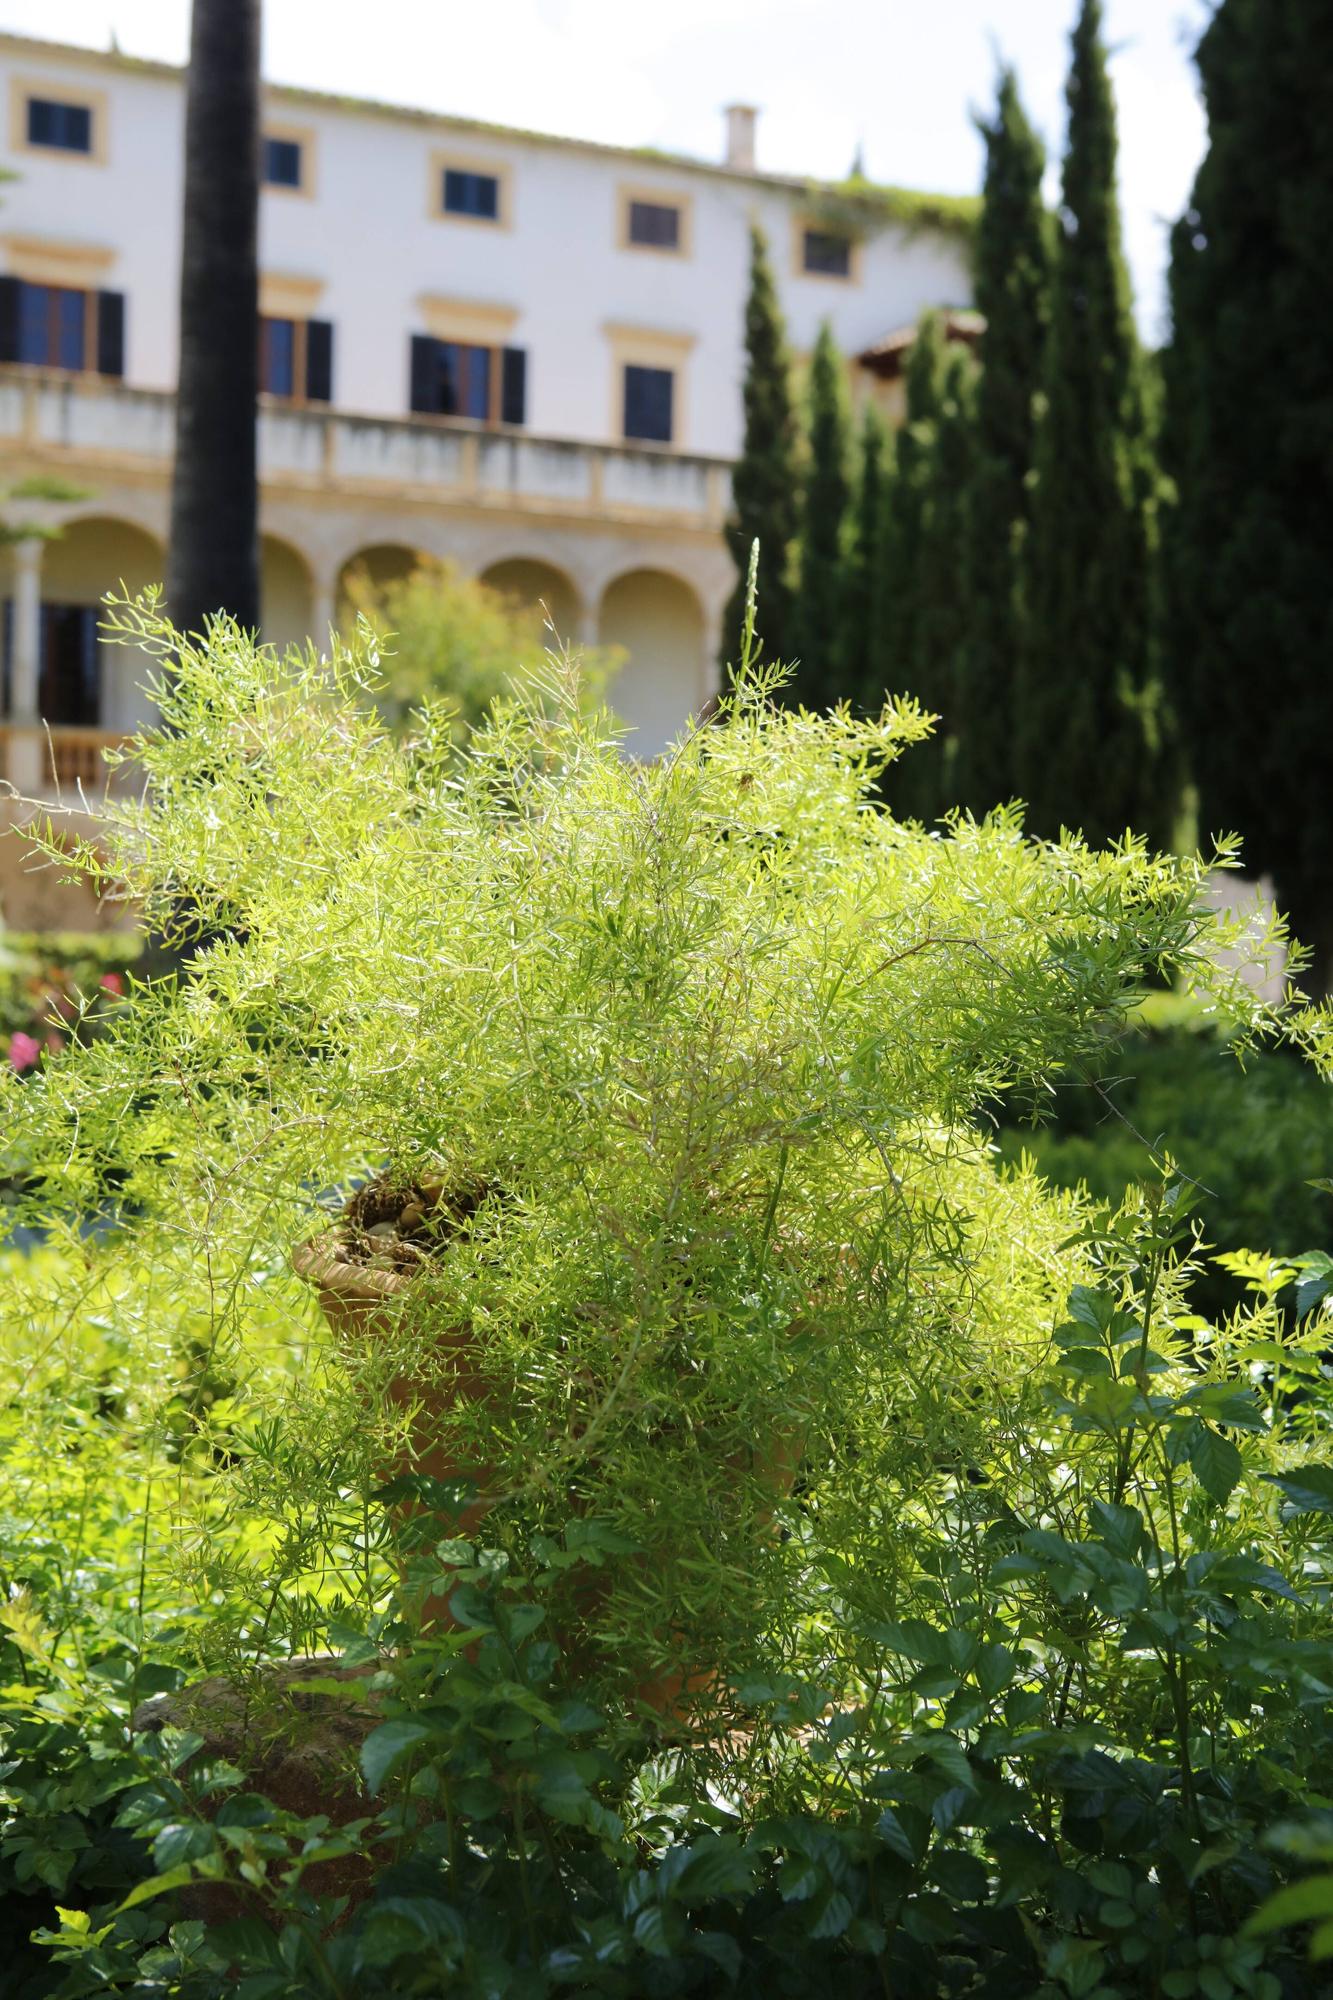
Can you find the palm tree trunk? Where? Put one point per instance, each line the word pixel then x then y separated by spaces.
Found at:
pixel 214 557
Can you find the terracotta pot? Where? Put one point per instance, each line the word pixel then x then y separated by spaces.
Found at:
pixel 358 1303
pixel 357 1300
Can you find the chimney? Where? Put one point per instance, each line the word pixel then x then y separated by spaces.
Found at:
pixel 740 136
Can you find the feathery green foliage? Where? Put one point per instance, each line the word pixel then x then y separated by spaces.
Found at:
pixel 1249 443
pixel 764 483
pixel 1085 678
pixel 1012 291
pixel 821 679
pixel 536 969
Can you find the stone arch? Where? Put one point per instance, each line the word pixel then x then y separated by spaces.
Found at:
pixel 658 620
pixel 82 679
pixel 381 562
pixel 529 581
pixel 94 553
pixel 127 507
pixel 286 594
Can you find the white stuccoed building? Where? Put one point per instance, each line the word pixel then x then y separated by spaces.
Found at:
pixel 520 352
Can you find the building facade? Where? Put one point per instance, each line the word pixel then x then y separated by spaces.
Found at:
pixel 519 352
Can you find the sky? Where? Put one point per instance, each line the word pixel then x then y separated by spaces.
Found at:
pixel 899 80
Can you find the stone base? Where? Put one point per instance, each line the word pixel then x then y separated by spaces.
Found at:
pixel 298 1746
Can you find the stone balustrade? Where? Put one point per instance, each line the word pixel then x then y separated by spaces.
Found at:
pixel 80 419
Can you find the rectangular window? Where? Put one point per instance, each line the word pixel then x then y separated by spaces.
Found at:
pixel 65 128
pixel 825 254
pixel 277 356
pixel 456 378
pixel 654 224
pixel 296 359
pixel 459 380
pixel 464 380
pixel 477 195
pixel 649 394
pixel 282 163
pixel 62 326
pixel 52 326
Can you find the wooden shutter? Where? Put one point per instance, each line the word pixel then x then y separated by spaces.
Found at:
pixel 9 319
pixel 319 361
pixel 422 385
pixel 111 333
pixel 514 386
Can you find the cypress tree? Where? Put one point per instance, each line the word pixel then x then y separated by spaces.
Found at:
pixel 1085 672
pixel 818 621
pixel 764 482
pixel 922 784
pixel 1249 440
pixel 863 662
pixel 1013 293
pixel 906 501
pixel 905 509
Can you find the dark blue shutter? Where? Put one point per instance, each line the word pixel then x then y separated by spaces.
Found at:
pixel 662 405
pixel 111 333
pixel 9 319
pixel 422 386
pixel 318 361
pixel 514 386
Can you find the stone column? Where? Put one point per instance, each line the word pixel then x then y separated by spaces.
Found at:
pixel 25 745
pixel 323 613
pixel 710 671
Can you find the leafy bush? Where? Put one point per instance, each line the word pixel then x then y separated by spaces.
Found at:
pixel 447 638
pixel 987 1572
pixel 1087 1755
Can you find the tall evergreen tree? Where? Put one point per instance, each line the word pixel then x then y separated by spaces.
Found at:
pixel 765 486
pixel 1013 293
pixel 1249 440
pixel 818 622
pixel 865 673
pixel 906 501
pixel 214 557
pixel 1085 673
pixel 922 784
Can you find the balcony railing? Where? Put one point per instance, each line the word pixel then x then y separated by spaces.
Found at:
pixel 57 761
pixel 89 421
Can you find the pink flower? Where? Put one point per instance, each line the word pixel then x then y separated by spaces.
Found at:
pixel 23 1050
pixel 111 982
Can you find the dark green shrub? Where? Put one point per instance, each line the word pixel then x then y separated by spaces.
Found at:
pixel 1255 1135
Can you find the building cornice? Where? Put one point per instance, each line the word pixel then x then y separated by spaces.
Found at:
pixel 867 201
